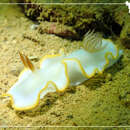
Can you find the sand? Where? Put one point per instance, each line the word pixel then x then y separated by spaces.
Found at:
pixel 104 100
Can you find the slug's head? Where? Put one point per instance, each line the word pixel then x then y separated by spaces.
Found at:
pixel 92 42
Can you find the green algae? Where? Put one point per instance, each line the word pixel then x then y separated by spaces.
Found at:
pixel 102 18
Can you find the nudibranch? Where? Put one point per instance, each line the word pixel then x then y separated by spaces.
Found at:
pixel 57 72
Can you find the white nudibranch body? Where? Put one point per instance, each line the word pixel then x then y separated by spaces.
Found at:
pixel 57 72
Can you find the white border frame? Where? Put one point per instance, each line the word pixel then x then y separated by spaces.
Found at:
pixel 66 126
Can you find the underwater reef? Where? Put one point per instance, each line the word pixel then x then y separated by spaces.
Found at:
pixel 111 20
pixel 103 100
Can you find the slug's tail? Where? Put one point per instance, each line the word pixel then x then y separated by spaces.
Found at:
pixel 27 63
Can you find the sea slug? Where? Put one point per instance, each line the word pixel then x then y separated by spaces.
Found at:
pixel 57 72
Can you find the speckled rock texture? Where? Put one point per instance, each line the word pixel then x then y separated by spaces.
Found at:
pixel 111 19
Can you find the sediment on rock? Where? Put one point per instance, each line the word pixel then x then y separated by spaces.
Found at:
pixel 111 20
